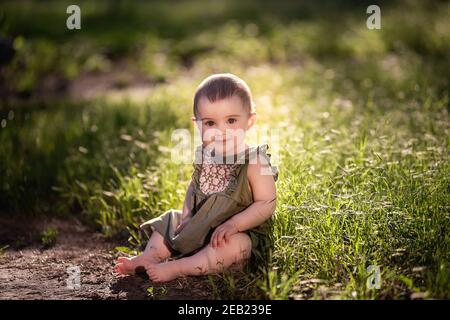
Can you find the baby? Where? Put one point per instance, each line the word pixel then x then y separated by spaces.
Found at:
pixel 230 198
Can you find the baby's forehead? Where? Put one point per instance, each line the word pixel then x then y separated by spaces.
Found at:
pixel 221 108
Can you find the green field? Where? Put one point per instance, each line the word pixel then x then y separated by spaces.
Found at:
pixel 364 167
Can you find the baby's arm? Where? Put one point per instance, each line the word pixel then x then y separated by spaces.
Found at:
pixel 264 196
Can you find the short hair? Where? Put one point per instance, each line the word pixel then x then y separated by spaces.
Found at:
pixel 221 86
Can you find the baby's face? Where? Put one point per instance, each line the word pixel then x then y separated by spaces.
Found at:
pixel 224 123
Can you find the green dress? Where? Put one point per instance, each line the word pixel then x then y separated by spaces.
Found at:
pixel 211 210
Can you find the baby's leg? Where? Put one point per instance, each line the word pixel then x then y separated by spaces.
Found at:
pixel 155 252
pixel 208 260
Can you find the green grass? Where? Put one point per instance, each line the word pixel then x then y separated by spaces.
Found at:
pixel 48 237
pixel 362 116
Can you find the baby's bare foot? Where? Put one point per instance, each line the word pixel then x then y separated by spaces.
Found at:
pixel 128 265
pixel 163 272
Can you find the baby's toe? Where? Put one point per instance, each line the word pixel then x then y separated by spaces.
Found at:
pixel 122 259
pixel 151 276
pixel 151 273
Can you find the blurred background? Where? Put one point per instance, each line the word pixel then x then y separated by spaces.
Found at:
pixel 87 115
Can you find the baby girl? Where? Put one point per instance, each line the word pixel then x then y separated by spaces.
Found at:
pixel 230 199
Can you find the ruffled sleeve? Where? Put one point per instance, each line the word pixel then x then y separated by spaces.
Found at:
pixel 261 151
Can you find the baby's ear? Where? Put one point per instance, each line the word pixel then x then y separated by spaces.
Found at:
pixel 197 123
pixel 251 120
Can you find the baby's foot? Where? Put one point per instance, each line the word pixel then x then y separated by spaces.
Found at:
pixel 163 272
pixel 128 265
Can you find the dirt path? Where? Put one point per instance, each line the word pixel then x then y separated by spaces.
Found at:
pixel 30 271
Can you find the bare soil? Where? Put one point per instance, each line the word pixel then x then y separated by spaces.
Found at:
pixel 30 270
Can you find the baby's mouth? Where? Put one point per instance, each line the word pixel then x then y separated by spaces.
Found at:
pixel 222 139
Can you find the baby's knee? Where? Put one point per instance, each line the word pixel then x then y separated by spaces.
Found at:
pixel 236 250
pixel 244 243
pixel 239 247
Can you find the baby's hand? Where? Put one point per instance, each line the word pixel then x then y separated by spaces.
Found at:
pixel 223 233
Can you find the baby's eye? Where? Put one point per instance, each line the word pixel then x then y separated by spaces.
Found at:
pixel 231 120
pixel 209 123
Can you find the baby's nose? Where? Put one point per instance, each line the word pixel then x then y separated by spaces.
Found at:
pixel 222 132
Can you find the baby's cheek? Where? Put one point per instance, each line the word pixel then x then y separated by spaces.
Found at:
pixel 239 133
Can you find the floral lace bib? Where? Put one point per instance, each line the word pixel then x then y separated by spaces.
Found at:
pixel 214 177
